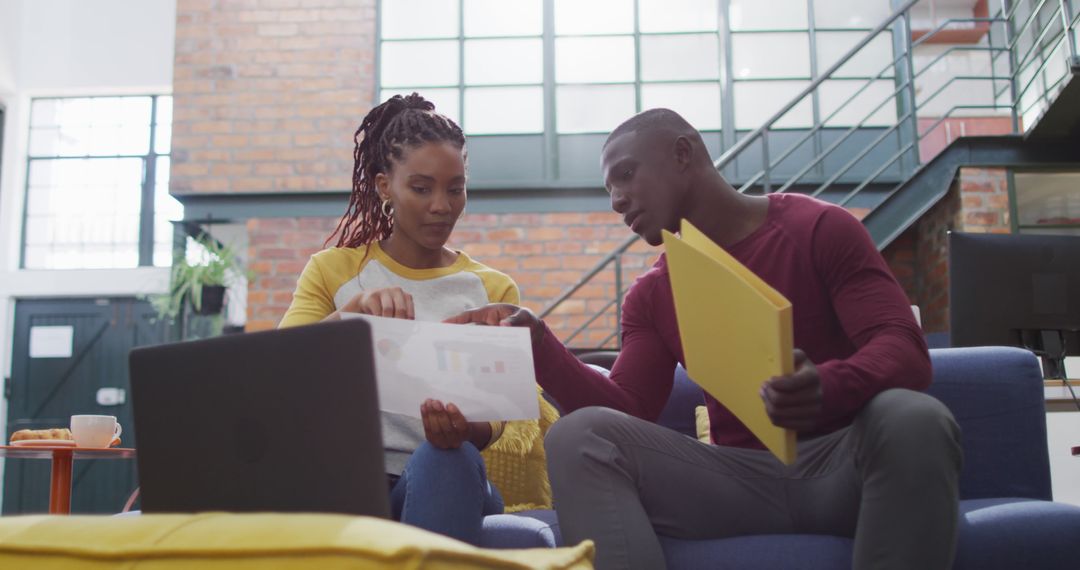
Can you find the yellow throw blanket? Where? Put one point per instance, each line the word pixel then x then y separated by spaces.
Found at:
pixel 517 465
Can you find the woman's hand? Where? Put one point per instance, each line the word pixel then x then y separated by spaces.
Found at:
pixel 444 426
pixel 389 302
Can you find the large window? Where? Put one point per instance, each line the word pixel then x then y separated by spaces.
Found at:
pixel 779 46
pixel 483 61
pixel 1047 203
pixel 97 183
pixel 611 62
pixel 479 61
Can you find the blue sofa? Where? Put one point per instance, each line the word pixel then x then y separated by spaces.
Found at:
pixel 1007 519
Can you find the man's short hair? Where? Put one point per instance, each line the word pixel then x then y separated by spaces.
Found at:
pixel 656 120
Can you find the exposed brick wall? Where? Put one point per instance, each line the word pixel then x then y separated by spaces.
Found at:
pixel 977 202
pixel 933 260
pixel 902 258
pixel 544 253
pixel 985 196
pixel 919 260
pixel 267 93
pixel 278 249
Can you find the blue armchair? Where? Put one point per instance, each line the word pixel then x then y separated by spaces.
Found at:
pixel 1007 519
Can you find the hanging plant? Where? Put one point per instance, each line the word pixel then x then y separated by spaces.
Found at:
pixel 202 284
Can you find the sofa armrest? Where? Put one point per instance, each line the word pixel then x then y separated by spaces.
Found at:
pixel 996 395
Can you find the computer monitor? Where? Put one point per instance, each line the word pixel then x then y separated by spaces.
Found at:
pixel 1016 290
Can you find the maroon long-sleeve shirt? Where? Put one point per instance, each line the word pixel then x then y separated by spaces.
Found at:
pixel 850 317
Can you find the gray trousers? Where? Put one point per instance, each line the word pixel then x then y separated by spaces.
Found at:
pixel 889 480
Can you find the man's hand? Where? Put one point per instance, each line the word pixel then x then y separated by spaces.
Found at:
pixel 504 315
pixel 794 401
pixel 444 426
pixel 389 302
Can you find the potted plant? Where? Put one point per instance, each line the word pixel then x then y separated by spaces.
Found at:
pixel 201 283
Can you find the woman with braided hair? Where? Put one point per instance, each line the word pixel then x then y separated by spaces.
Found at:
pixel 390 259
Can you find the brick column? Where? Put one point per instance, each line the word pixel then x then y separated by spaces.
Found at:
pixel 279 249
pixel 267 93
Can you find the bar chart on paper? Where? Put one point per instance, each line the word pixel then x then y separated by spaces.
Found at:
pixel 450 360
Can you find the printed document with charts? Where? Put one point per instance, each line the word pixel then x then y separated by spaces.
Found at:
pixel 736 331
pixel 487 372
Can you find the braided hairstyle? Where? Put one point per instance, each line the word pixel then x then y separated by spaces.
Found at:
pixel 383 136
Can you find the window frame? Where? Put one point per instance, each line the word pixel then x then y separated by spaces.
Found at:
pixel 147 199
pixel 726 134
pixel 1019 226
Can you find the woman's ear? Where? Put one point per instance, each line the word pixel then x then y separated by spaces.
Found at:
pixel 382 186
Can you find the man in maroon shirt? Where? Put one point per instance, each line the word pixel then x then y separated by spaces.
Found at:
pixel 877 460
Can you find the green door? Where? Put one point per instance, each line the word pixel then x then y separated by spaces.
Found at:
pixel 70 357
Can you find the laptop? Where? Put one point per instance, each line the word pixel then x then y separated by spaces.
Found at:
pixel 280 421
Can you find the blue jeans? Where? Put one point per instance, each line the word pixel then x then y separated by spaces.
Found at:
pixel 446 491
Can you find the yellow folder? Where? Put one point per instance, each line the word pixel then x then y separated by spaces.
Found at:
pixel 736 331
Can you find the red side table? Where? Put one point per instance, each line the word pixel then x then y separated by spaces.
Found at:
pixel 62 459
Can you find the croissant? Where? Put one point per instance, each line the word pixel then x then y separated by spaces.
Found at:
pixel 56 433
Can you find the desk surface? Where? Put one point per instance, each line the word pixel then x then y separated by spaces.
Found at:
pixel 48 452
pixel 1058 397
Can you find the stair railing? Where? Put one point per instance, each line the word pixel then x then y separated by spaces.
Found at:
pixel 1047 39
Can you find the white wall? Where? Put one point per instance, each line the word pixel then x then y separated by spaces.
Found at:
pixel 1063 430
pixel 70 48
pixel 69 44
pixel 1063 434
pixel 10 17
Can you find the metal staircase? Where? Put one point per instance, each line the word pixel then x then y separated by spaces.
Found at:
pixel 890 171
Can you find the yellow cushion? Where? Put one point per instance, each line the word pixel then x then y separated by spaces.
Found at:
pixel 217 540
pixel 516 462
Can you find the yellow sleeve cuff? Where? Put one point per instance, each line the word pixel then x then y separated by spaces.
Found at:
pixel 497 429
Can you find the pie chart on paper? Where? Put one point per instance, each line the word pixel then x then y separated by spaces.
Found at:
pixel 388 349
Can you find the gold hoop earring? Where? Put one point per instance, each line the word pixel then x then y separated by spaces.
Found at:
pixel 387 209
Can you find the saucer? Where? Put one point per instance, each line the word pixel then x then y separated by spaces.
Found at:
pixel 44 443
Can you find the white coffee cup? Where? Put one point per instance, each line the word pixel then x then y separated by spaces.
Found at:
pixel 94 431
